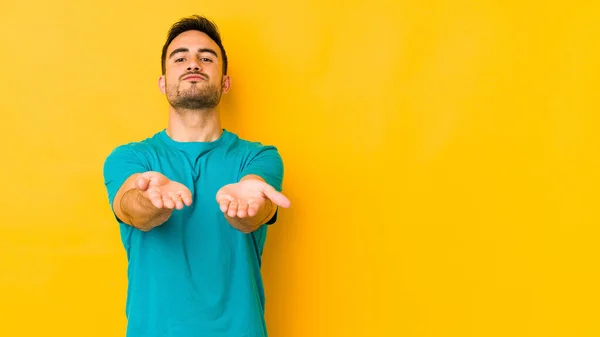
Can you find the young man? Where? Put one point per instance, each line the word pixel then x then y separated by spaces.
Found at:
pixel 193 203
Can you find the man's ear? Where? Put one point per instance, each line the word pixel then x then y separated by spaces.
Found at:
pixel 161 84
pixel 226 84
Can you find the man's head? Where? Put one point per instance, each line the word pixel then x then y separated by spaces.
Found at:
pixel 194 65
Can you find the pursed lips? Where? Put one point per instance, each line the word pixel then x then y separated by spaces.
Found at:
pixel 193 77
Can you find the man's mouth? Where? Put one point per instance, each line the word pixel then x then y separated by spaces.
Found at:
pixel 194 77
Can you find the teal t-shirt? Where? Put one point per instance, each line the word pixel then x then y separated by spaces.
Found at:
pixel 195 275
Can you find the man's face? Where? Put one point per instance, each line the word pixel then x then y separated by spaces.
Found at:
pixel 193 78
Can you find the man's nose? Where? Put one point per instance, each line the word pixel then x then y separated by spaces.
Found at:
pixel 194 64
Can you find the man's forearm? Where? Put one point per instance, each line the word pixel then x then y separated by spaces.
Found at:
pixel 140 212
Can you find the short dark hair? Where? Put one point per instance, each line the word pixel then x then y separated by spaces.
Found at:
pixel 199 23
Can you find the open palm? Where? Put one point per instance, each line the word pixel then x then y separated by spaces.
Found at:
pixel 246 197
pixel 162 192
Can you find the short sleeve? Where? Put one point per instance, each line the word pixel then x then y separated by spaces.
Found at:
pixel 119 165
pixel 266 162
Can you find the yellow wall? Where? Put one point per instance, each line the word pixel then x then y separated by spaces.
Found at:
pixel 441 157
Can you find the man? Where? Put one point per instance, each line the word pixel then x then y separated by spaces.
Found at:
pixel 193 203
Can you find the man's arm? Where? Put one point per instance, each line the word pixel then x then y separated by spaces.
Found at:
pixel 254 200
pixel 133 208
pixel 249 220
pixel 138 197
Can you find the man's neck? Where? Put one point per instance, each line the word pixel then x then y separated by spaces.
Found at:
pixel 194 125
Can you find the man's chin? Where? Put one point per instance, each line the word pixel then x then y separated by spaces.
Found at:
pixel 193 103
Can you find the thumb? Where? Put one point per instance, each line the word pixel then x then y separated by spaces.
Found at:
pixel 276 197
pixel 142 183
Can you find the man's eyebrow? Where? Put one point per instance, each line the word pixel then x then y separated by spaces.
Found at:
pixel 178 50
pixel 208 50
pixel 185 50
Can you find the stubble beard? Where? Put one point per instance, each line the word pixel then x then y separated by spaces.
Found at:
pixel 195 97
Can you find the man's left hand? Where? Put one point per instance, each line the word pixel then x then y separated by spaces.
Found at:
pixel 248 198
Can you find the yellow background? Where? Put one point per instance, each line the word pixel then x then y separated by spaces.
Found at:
pixel 441 158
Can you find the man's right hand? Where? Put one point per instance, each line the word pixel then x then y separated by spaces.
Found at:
pixel 147 200
pixel 162 192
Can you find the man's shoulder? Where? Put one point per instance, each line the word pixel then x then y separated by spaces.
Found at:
pixel 250 145
pixel 150 143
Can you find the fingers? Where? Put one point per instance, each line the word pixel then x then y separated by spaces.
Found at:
pixel 277 198
pixel 177 200
pixel 232 210
pixel 156 198
pixel 169 200
pixel 224 205
pixel 232 207
pixel 241 203
pixel 173 201
pixel 186 197
pixel 142 183
pixel 253 209
pixel 242 210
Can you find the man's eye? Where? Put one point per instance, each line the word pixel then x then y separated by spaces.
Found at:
pixel 179 59
pixel 205 59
